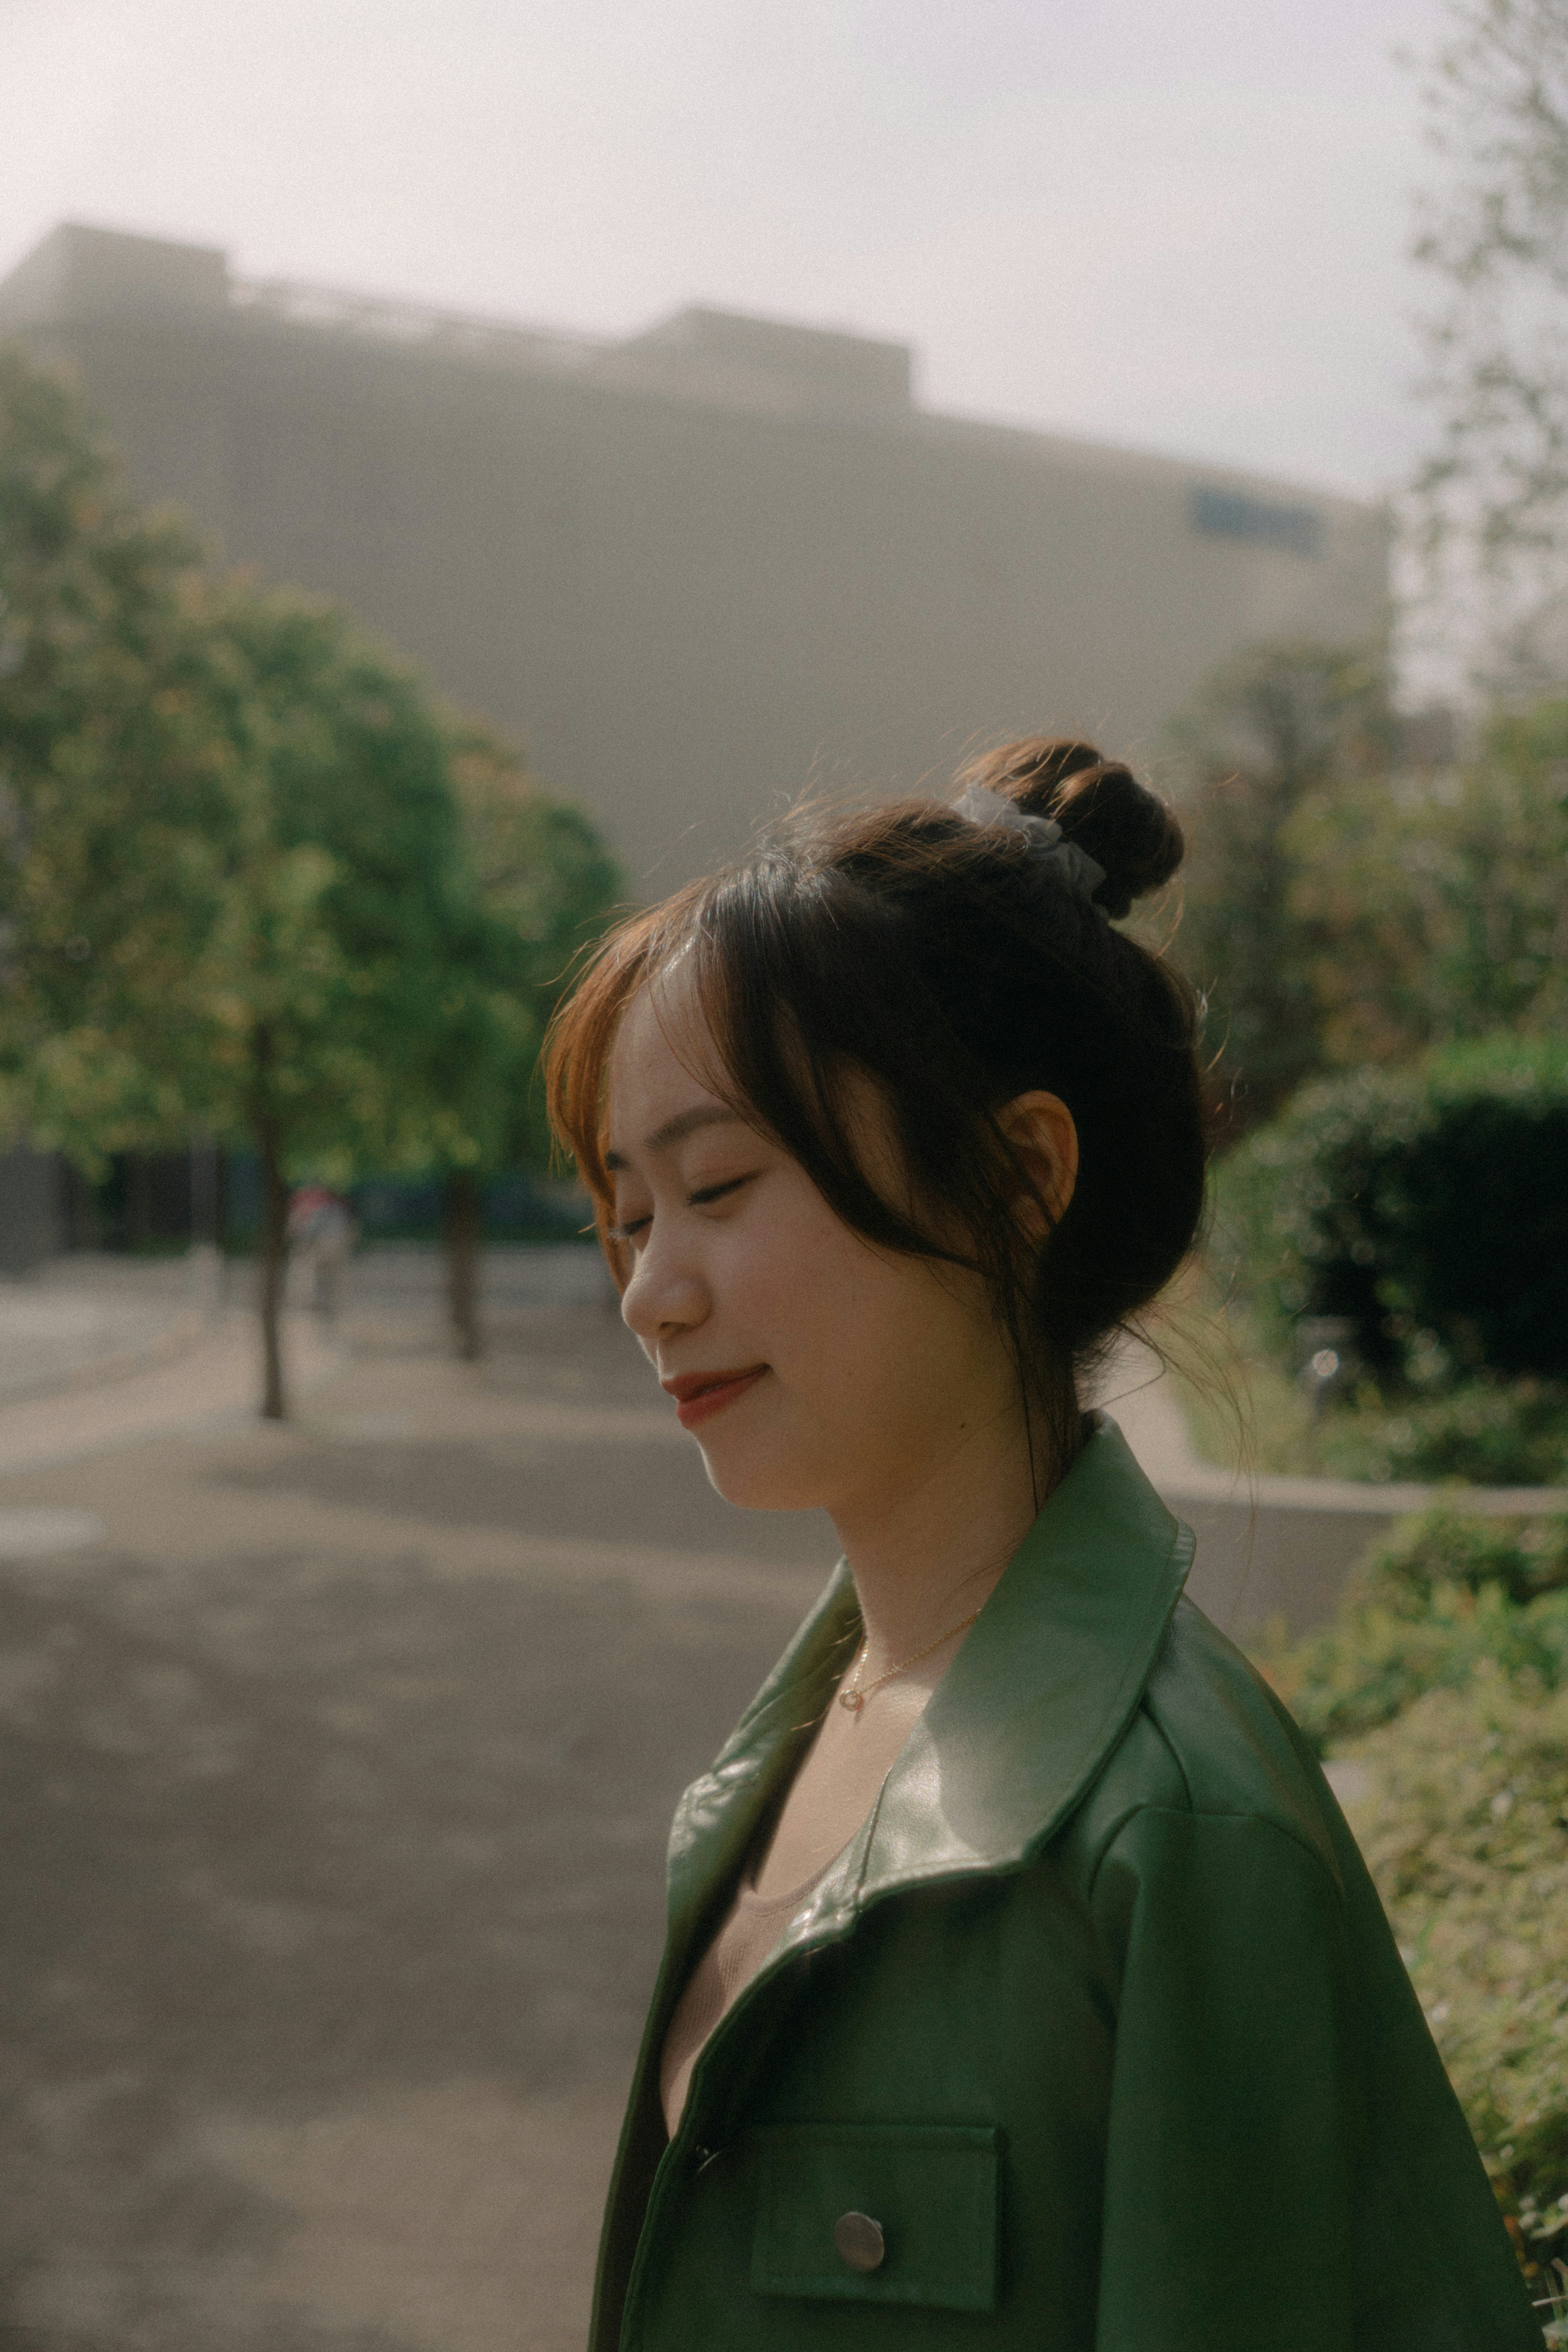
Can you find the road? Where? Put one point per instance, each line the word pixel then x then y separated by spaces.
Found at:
pixel 335 1778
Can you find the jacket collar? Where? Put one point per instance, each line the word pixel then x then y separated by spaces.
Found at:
pixel 1014 1733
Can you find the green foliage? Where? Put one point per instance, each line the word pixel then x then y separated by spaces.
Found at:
pixel 1485 1433
pixel 1426 1204
pixel 1443 1591
pixel 353 958
pixel 1465 1828
pixel 1347 903
pixel 547 887
pixel 1436 907
pixel 251 880
pixel 1279 724
pixel 113 776
pixel 1445 1677
pixel 268 962
pixel 1523 1557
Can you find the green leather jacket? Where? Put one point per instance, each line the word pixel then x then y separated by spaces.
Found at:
pixel 1098 2019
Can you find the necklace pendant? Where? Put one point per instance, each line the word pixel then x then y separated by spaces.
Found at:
pixel 854 1700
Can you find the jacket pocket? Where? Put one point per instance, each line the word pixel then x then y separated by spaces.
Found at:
pixel 898 2214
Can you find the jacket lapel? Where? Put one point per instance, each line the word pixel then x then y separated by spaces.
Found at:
pixel 1016 1732
pixel 1039 1696
pixel 1046 1685
pixel 717 1816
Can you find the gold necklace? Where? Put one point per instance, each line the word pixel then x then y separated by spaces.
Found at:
pixel 854 1698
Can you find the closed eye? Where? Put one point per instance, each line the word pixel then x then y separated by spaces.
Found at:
pixel 628 1230
pixel 716 1192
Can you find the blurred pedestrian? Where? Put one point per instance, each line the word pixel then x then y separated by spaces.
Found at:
pixel 322 1230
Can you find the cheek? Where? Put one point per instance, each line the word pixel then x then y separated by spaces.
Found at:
pixel 877 1361
pixel 840 1323
pixel 780 1276
pixel 788 1276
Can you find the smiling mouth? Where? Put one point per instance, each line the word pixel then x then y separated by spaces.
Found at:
pixel 699 1395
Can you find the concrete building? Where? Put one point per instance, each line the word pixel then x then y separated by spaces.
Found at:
pixel 698 570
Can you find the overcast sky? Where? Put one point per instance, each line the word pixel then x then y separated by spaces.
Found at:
pixel 1177 224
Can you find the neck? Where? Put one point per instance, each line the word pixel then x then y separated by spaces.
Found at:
pixel 928 1548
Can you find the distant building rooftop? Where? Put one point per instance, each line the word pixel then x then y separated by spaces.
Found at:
pixel 699 568
pixel 80 273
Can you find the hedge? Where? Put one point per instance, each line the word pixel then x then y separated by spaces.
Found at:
pixel 1428 1204
pixel 1464 1829
pixel 1448 1657
pixel 1444 1592
pixel 1482 1432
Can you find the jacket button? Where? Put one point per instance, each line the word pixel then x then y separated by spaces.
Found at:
pixel 859 2241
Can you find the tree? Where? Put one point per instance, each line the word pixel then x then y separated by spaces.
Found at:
pixel 271 960
pixel 1493 496
pixel 546 887
pixel 1436 908
pixel 252 882
pixel 1274 728
pixel 113 773
pixel 351 970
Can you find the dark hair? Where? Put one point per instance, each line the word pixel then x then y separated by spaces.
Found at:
pixel 948 960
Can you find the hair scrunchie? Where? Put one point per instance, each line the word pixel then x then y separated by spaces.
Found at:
pixel 1072 868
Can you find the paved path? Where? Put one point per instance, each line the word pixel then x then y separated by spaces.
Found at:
pixel 336 1763
pixel 92 1317
pixel 212 1380
pixel 334 1780
pixel 95 1319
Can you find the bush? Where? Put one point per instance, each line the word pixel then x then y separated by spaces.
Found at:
pixel 1450 1658
pixel 1426 1204
pixel 1444 1593
pixel 1486 1433
pixel 1464 1829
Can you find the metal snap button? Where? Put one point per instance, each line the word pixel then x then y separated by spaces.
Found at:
pixel 859 2241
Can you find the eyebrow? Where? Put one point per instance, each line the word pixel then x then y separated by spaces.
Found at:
pixel 675 1131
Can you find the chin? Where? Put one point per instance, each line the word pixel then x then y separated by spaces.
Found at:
pixel 755 1480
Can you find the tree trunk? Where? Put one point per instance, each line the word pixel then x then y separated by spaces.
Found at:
pixel 274 1267
pixel 138 1201
pixel 206 1193
pixel 463 1216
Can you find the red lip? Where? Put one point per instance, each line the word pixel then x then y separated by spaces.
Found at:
pixel 699 1395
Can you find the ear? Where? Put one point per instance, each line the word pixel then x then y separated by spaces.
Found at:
pixel 1044 1140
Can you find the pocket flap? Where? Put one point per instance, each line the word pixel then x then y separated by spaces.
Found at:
pixel 879 2213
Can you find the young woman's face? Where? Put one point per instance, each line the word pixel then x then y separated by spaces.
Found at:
pixel 811 1368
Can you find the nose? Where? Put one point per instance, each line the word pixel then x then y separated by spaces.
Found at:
pixel 664 1296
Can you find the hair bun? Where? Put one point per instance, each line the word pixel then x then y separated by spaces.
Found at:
pixel 1099 804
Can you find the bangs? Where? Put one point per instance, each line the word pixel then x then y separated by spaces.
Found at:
pixel 581 1034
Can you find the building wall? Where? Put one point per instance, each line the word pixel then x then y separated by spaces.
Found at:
pixel 700 572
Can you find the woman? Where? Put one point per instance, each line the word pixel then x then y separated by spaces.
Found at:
pixel 1023 1985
